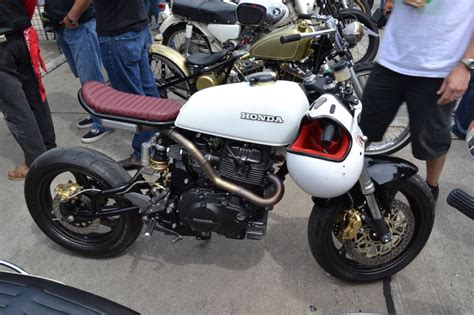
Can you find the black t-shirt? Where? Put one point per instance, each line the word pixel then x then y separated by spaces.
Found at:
pixel 13 16
pixel 58 9
pixel 120 16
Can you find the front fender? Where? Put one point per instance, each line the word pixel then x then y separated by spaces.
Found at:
pixel 388 169
pixel 385 171
pixel 170 21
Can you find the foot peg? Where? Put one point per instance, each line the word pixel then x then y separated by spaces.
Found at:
pixel 152 225
pixel 256 230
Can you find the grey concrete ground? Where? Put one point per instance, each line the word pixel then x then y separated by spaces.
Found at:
pixel 275 276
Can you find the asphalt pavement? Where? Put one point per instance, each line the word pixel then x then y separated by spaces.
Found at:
pixel 275 276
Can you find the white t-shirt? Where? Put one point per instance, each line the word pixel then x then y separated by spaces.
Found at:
pixel 427 42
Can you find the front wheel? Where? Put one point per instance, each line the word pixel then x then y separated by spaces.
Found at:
pixel 68 171
pixel 174 37
pixel 344 245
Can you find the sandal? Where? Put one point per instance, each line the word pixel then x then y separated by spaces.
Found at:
pixel 19 173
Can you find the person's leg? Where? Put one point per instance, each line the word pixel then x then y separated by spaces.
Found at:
pixel 121 55
pixel 38 107
pixel 66 51
pixel 429 127
pixel 150 89
pixel 465 111
pixel 123 60
pixel 383 95
pixel 85 53
pixel 14 105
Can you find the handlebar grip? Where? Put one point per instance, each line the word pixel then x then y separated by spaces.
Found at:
pixel 462 201
pixel 290 38
pixel 304 16
pixel 328 134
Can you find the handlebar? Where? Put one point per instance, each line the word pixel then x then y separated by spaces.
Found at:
pixel 462 202
pixel 296 37
pixel 290 38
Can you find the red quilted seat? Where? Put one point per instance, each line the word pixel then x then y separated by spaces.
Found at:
pixel 103 99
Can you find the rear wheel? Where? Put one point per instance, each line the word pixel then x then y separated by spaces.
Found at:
pixel 397 135
pixel 165 71
pixel 354 254
pixel 64 222
pixel 174 37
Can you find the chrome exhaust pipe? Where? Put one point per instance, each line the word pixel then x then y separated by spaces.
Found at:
pixel 113 124
pixel 223 184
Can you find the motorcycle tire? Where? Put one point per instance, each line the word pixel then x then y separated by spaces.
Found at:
pixel 368 42
pixel 88 167
pixel 199 42
pixel 321 236
pixel 361 5
pixel 398 133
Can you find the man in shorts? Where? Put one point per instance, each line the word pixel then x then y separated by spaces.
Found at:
pixel 424 60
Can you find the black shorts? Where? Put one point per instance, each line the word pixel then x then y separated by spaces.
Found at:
pixel 430 123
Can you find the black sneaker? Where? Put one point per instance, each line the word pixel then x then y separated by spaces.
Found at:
pixel 94 134
pixel 85 123
pixel 434 191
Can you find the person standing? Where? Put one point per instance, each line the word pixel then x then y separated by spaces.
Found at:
pixel 74 24
pixel 124 39
pixel 424 60
pixel 22 96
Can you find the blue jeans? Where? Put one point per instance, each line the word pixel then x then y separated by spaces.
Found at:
pixel 465 111
pixel 81 48
pixel 125 59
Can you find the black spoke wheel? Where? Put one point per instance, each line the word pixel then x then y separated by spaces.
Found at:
pixel 165 72
pixel 97 237
pixel 361 5
pixel 364 266
pixel 366 49
pixel 397 135
pixel 174 37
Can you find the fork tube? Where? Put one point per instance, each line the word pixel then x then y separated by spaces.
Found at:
pixel 368 189
pixel 356 83
pixel 188 34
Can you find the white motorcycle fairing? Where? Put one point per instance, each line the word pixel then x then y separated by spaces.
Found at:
pixel 224 32
pixel 267 114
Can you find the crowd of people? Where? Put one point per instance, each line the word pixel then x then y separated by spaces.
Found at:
pixel 429 73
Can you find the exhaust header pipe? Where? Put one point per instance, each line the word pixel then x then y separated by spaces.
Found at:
pixel 223 184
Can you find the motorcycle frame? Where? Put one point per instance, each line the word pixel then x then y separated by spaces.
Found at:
pixel 226 65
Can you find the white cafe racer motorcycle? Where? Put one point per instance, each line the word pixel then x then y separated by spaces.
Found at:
pixel 217 165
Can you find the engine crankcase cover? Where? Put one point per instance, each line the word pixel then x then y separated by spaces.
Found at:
pixel 206 211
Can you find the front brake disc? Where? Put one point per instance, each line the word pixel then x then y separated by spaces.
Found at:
pixel 366 249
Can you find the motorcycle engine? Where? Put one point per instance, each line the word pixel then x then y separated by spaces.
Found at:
pixel 208 210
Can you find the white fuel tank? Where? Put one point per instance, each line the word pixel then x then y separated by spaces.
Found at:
pixel 268 114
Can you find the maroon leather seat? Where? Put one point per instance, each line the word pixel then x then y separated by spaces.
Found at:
pixel 103 100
